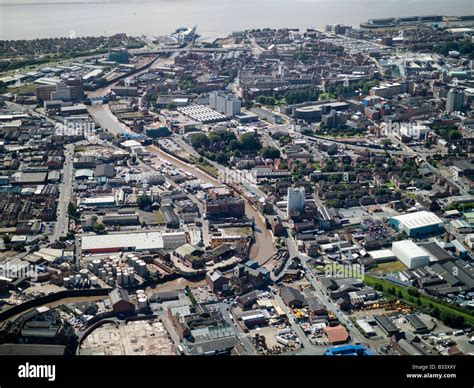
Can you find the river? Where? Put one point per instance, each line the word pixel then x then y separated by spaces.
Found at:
pixel 30 19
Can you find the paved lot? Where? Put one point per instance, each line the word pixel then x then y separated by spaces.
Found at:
pixel 134 338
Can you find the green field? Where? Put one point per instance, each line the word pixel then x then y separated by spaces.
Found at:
pixel 23 89
pixel 384 268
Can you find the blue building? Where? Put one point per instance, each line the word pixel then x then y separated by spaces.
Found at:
pixel 349 350
pixel 418 224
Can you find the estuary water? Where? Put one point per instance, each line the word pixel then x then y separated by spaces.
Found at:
pixel 30 19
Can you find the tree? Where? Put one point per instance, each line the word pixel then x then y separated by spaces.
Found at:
pixel 270 153
pixel 250 142
pixel 454 135
pixel 413 292
pixel 73 211
pixel 143 202
pixel 19 247
pixel 99 227
pixel 451 319
pixel 222 158
pixel 199 140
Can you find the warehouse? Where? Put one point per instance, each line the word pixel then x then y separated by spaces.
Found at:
pixel 366 327
pixel 382 256
pixel 436 253
pixel 292 297
pixel 417 323
pixel 410 254
pixel 98 201
pixel 418 224
pixel 132 242
pixel 121 219
pixel 386 324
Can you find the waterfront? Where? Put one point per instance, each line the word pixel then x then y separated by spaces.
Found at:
pixel 31 19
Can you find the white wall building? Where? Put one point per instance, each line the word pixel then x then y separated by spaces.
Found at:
pixel 225 103
pixel 410 254
pixel 295 200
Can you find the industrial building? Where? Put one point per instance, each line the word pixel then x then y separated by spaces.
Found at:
pixel 418 224
pixel 292 297
pixel 268 116
pixel 98 201
pixel 386 324
pixel 410 254
pixel 315 112
pixel 382 256
pixel 202 114
pixel 225 207
pixel 132 242
pixel 349 350
pixel 417 323
pixel 225 103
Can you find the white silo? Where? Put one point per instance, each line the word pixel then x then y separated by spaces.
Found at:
pixel 67 282
pixel 94 281
pixel 141 270
pixel 83 273
pixel 96 264
pixel 142 303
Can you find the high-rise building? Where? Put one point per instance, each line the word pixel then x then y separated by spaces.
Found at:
pixel 76 87
pixel 225 103
pixel 455 100
pixel 62 92
pixel 70 89
pixel 296 200
pixel 43 92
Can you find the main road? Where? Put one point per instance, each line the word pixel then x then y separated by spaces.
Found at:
pixel 65 191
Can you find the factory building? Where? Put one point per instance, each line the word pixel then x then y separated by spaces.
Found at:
pixel 410 254
pixel 98 201
pixel 386 324
pixel 132 242
pixel 417 224
pixel 225 103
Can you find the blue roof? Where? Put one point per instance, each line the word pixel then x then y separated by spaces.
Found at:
pixel 349 350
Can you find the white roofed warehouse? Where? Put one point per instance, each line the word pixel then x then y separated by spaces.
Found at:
pixel 410 254
pixel 138 241
pixel 418 224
